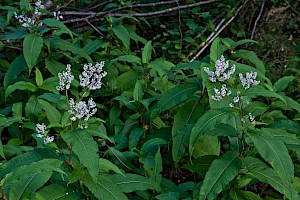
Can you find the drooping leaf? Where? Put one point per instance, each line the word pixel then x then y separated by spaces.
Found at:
pixel 21 85
pixel 262 172
pixel 32 47
pixel 283 83
pixel 67 46
pixel 58 192
pixel 176 95
pixel 58 24
pixel 54 67
pixel 85 147
pixel 121 32
pixel 219 174
pixel 106 166
pixel 152 145
pixel 132 182
pixel 206 145
pixel 147 51
pixel 38 77
pixel 200 165
pixel 292 103
pixel 275 152
pixel 153 166
pixel 23 188
pixel 251 57
pixel 93 46
pixel 6 122
pixel 104 188
pixel 260 91
pixel 52 113
pixel 134 137
pixel 15 68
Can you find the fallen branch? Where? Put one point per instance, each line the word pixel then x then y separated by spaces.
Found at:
pixel 257 19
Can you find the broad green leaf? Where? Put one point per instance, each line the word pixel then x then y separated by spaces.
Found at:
pixel 54 67
pixel 292 103
pixel 21 85
pixel 32 107
pixel 275 152
pixel 50 85
pixel 17 109
pixel 288 125
pixel 216 50
pixel 132 182
pixel 168 196
pixel 262 172
pixel 223 130
pixel 121 32
pixel 23 188
pixel 134 137
pixel 219 174
pixel 206 146
pixel 126 80
pixel 176 95
pixel 104 188
pixel 51 112
pixel 32 47
pixel 208 122
pixel 185 66
pixel 200 165
pixel 127 58
pixel 85 147
pixel 105 165
pixel 6 122
pixel 67 46
pixel 25 159
pixel 251 57
pixel 244 41
pixel 152 145
pixel 48 164
pixel 93 46
pixel 184 119
pixel 120 157
pixel 147 51
pixel 38 77
pixel 260 91
pixel 15 68
pixel 138 90
pixel 283 83
pixel 160 67
pixel 58 192
pixel 250 195
pixel 58 24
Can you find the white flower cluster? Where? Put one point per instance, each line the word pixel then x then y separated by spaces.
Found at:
pixel 251 118
pixel 220 74
pixel 26 21
pixel 57 15
pixel 65 79
pixel 42 133
pixel 249 79
pixel 82 109
pixel 92 75
pixel 219 94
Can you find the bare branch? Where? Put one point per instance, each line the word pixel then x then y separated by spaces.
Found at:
pixel 257 19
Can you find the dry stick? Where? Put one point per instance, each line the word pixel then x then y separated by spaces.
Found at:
pixel 257 19
pixel 97 30
pixel 216 34
pixel 93 14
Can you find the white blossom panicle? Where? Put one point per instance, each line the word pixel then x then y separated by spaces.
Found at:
pixel 236 99
pixel 92 75
pixel 220 74
pixel 42 133
pixel 219 94
pixel 65 79
pixel 251 118
pixel 82 109
pixel 38 7
pixel 249 80
pixel 41 128
pixel 231 105
pixel 48 139
pixel 57 15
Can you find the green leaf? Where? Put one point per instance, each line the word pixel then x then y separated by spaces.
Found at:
pixel 251 57
pixel 126 80
pixel 291 103
pixel 67 46
pixel 6 122
pixel 50 85
pixel 200 165
pixel 58 24
pixel 176 95
pixel 32 47
pixel 207 145
pixel 152 145
pixel 283 83
pixel 260 91
pixel 32 107
pixel 134 137
pixel 57 192
pixel 38 77
pixel 138 90
pixel 15 68
pixel 1 149
pixel 23 188
pixel 127 58
pixel 262 172
pixel 85 147
pixel 274 152
pixel 93 46
pixel 121 32
pixel 104 188
pixel 219 174
pixel 106 166
pixel 51 112
pixel 21 85
pixel 244 41
pixel 208 122
pixel 147 51
pixel 216 50
pixel 132 182
pixel 48 164
pixel 54 67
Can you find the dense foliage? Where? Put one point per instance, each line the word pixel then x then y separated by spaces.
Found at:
pixel 139 100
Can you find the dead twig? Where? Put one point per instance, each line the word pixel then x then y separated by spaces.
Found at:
pixel 257 19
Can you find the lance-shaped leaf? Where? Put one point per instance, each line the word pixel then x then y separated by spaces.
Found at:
pixel 275 152
pixel 104 188
pixel 121 32
pixel 58 192
pixel 283 83
pixel 21 85
pixel 260 91
pixel 251 57
pixel 23 188
pixel 52 113
pixel 58 24
pixel 134 182
pixel 106 166
pixel 32 47
pixel 219 174
pixel 147 51
pixel 265 174
pixel 85 147
pixel 15 68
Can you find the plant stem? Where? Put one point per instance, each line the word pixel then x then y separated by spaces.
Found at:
pixel 3 193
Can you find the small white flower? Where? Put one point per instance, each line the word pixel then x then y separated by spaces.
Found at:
pixel 41 128
pixel 251 118
pixel 219 94
pixel 91 77
pixel 48 139
pixel 249 80
pixel 231 105
pixel 236 99
pixel 82 109
pixel 65 79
